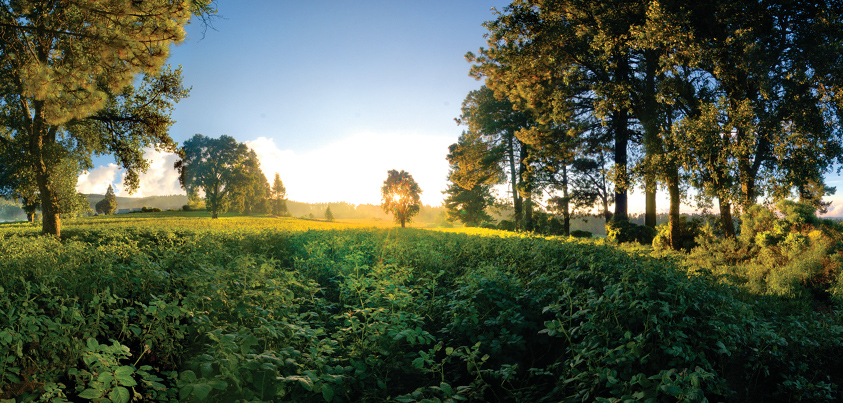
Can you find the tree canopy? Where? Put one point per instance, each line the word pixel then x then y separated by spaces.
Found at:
pixel 740 100
pixel 401 196
pixel 66 74
pixel 108 205
pixel 226 171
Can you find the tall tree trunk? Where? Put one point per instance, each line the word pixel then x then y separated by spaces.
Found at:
pixel 620 126
pixel 39 137
pixel 527 186
pixel 649 119
pixel 566 212
pixel 513 173
pixel 650 215
pixel 674 221
pixel 726 217
pixel 745 175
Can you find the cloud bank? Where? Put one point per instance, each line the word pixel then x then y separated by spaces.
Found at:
pixel 350 170
pixel 353 169
pixel 159 179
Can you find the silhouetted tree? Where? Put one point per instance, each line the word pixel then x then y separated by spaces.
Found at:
pixel 401 196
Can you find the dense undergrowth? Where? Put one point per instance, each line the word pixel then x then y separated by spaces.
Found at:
pixel 169 313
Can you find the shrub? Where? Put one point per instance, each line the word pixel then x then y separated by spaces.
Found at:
pixel 580 234
pixel 689 230
pixel 506 225
pixel 622 231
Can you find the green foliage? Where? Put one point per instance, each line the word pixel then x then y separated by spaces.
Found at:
pixel 787 253
pixel 329 216
pixel 138 308
pixel 468 206
pixel 547 224
pixel 401 196
pixel 278 198
pixel 622 231
pixel 580 234
pixel 107 205
pixel 689 230
pixel 227 172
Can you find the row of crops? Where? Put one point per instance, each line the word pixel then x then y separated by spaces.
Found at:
pixel 119 312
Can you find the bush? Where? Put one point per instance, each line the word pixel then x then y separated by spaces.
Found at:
pixel 580 234
pixel 792 255
pixel 688 232
pixel 622 231
pixel 506 225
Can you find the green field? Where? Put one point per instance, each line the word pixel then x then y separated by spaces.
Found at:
pixel 174 306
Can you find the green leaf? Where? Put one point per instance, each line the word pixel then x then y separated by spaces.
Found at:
pixel 185 391
pixel 91 394
pixel 187 376
pixel 418 362
pixel 722 348
pixel 124 375
pixel 201 390
pixel 446 388
pixel 327 392
pixel 119 395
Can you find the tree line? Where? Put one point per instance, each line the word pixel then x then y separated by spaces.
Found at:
pixel 721 104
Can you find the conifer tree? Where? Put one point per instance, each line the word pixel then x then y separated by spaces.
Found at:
pixel 107 205
pixel 279 197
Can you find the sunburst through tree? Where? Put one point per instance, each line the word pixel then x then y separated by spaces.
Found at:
pixel 401 196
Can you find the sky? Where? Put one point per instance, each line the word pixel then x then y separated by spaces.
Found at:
pixel 330 94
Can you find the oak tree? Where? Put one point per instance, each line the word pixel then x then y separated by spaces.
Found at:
pixel 217 167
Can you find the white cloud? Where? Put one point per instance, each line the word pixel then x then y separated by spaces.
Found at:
pixel 350 170
pixel 353 169
pixel 97 179
pixel 160 179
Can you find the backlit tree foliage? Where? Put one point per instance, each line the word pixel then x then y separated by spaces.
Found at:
pixel 65 66
pixel 401 196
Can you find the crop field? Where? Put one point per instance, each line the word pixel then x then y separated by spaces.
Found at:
pixel 176 307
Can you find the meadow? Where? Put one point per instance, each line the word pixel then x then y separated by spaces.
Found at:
pixel 176 307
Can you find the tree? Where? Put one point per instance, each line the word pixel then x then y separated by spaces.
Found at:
pixel 216 167
pixel 468 205
pixel 108 205
pixel 252 190
pixel 490 149
pixel 63 62
pixel 328 214
pixel 401 196
pixel 278 195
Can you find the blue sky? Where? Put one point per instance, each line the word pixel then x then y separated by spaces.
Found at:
pixel 330 94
